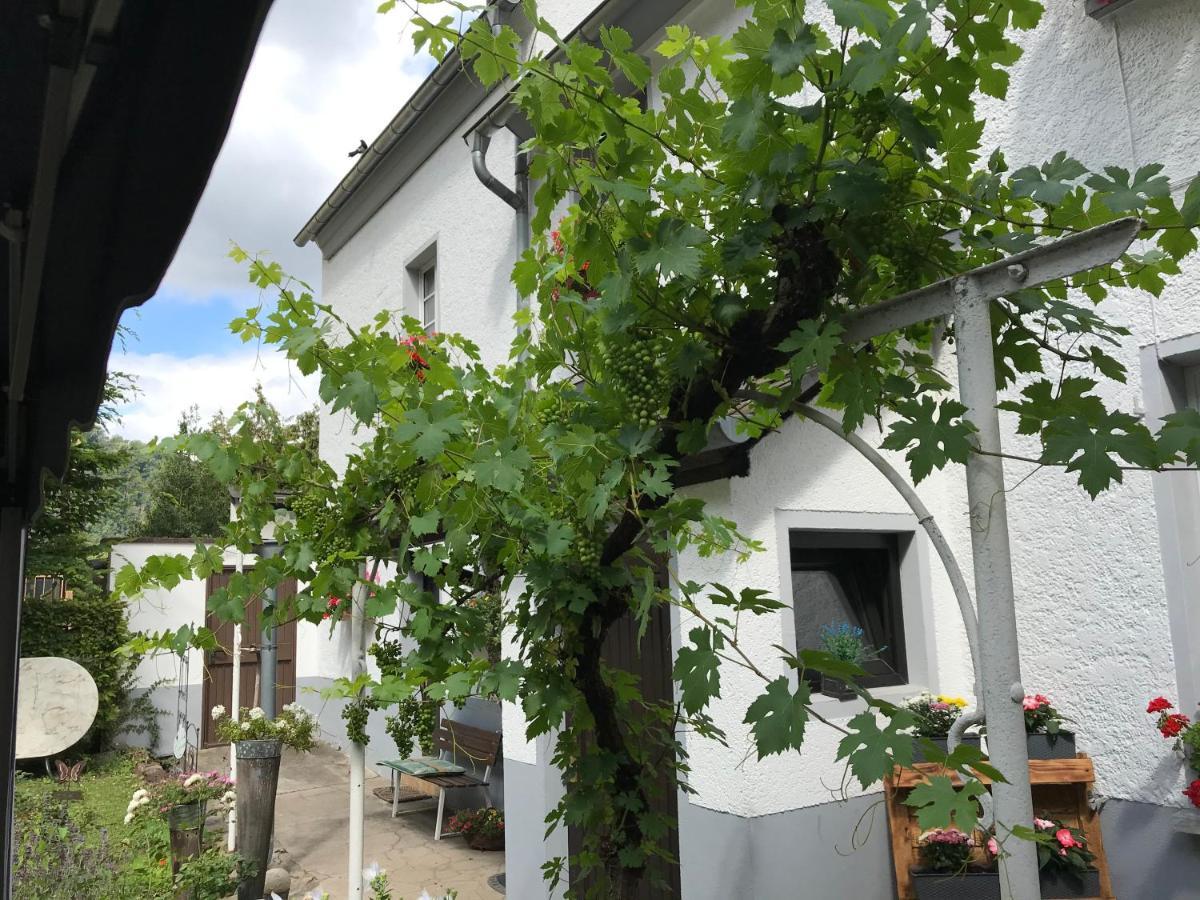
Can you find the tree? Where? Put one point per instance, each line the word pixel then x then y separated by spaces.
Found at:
pixel 186 499
pixel 711 253
pixel 65 538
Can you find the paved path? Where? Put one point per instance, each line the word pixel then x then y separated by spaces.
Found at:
pixel 311 828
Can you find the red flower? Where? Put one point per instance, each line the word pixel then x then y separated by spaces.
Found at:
pixel 1158 704
pixel 1193 792
pixel 1171 725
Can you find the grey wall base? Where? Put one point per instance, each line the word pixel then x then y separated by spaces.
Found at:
pixel 165 699
pixel 828 852
pixel 532 792
pixel 480 713
pixel 1146 856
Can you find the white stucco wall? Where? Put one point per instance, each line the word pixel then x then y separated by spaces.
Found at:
pixel 1091 604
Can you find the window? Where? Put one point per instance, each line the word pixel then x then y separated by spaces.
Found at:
pixel 428 297
pixel 847 576
pixel 421 301
pixel 1098 9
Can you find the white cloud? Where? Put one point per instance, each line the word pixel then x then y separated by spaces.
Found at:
pixel 169 385
pixel 325 75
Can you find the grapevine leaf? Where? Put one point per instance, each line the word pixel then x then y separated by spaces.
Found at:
pixel 934 433
pixel 698 669
pixel 872 752
pixel 939 804
pixel 777 718
pixel 673 251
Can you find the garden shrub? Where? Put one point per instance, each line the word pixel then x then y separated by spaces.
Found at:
pixel 88 630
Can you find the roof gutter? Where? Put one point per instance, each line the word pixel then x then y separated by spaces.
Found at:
pixel 425 97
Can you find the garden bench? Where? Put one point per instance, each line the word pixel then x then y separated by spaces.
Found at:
pixel 451 740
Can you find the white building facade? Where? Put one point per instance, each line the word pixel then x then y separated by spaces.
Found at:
pixel 1105 590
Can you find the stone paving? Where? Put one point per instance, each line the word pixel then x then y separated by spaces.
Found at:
pixel 311 829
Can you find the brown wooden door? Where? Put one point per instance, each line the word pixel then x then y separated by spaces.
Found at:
pixel 650 660
pixel 218 668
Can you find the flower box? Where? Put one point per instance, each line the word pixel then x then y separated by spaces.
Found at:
pixel 919 754
pixel 1051 746
pixel 1060 884
pixel 930 885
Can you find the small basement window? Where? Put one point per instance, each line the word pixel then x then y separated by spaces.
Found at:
pixel 854 577
pixel 1098 9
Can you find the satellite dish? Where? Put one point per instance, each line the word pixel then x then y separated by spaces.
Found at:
pixel 56 705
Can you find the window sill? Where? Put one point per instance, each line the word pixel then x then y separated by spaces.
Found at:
pixel 832 708
pixel 1098 9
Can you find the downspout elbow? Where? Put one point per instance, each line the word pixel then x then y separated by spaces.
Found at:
pixel 479 148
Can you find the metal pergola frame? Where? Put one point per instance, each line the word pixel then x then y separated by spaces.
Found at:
pixel 967 298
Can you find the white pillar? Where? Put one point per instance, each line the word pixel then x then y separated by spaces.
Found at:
pixel 358 753
pixel 234 700
pixel 999 655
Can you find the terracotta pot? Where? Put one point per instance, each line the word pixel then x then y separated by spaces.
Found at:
pixel 930 885
pixel 258 778
pixel 477 841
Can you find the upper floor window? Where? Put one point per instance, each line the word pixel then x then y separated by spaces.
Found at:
pixel 422 277
pixel 429 298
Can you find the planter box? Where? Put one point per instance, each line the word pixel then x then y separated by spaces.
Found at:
pixel 836 688
pixel 947 886
pixel 1051 746
pixel 1058 884
pixel 485 842
pixel 919 753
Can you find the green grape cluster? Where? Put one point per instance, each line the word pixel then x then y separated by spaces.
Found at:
pixel 406 481
pixel 639 372
pixel 355 714
pixel 553 411
pixel 414 720
pixel 586 548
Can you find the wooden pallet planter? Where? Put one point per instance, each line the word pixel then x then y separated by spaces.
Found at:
pixel 1061 788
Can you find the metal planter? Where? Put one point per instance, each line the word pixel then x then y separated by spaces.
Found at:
pixel 919 754
pixel 956 886
pixel 1060 884
pixel 1051 746
pixel 258 778
pixel 186 826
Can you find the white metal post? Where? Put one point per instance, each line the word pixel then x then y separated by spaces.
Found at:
pixel 235 699
pixel 998 647
pixel 358 753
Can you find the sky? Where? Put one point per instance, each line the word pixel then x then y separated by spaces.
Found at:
pixel 325 74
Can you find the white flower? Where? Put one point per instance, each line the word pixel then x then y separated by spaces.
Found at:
pixel 194 778
pixel 140 793
pixel 128 817
pixel 144 800
pixel 371 872
pixel 257 713
pixel 218 711
pixel 133 805
pixel 245 726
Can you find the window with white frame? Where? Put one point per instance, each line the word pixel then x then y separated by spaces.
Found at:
pixel 423 294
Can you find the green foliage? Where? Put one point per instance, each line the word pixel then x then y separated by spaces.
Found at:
pixel 293 726
pixel 89 629
pixel 712 246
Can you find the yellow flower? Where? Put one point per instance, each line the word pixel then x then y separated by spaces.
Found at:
pixel 953 701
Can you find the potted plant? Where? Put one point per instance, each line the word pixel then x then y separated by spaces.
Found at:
pixel 934 715
pixel 845 642
pixel 947 869
pixel 258 743
pixel 182 801
pixel 483 829
pixel 1044 734
pixel 1064 862
pixel 1186 736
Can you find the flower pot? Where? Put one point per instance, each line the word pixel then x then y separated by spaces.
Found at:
pixel 1060 884
pixel 477 841
pixel 836 688
pixel 930 885
pixel 186 826
pixel 258 777
pixel 940 741
pixel 1051 746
